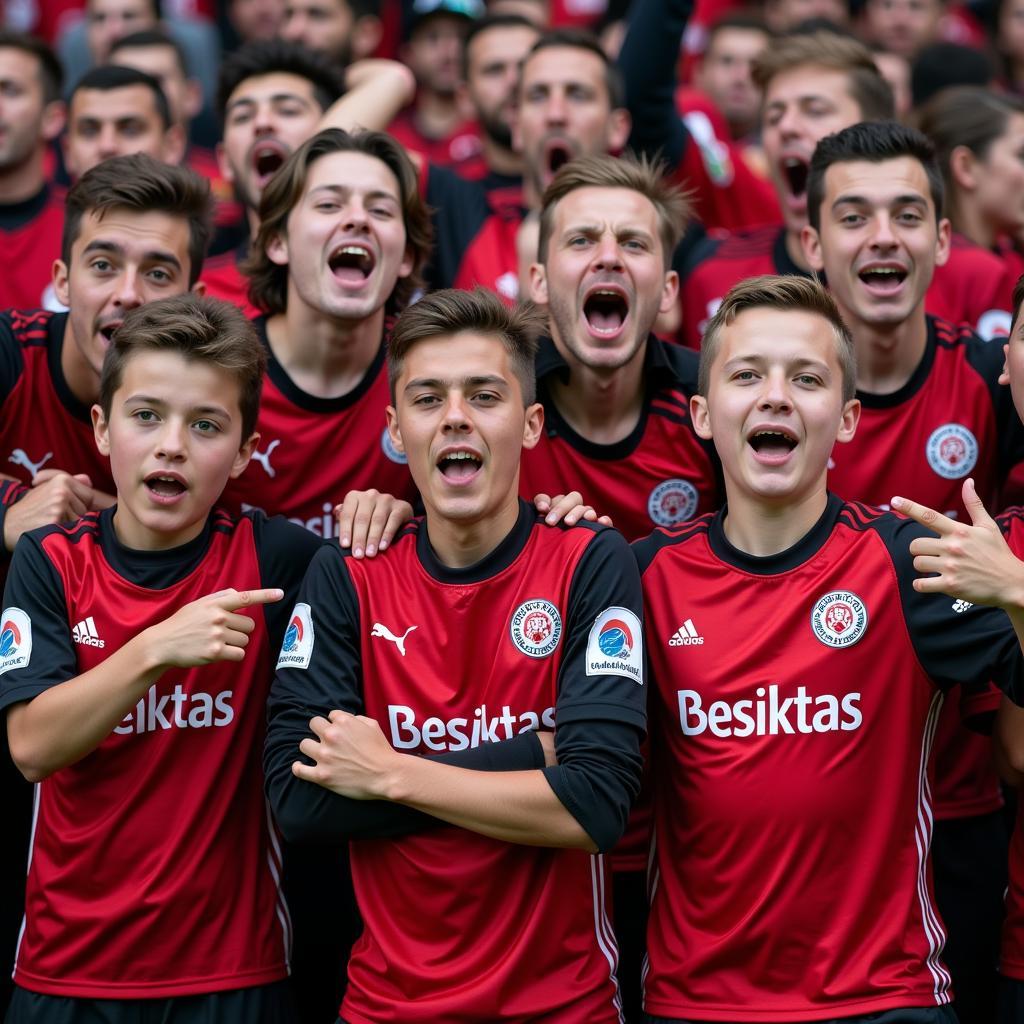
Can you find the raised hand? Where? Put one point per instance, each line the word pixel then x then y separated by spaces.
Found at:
pixel 568 508
pixel 369 520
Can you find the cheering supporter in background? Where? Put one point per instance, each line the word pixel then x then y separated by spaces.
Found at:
pixel 343 30
pixel 434 125
pixel 790 877
pixel 256 21
pixel 542 622
pixel 272 98
pixel 31 211
pixel 932 414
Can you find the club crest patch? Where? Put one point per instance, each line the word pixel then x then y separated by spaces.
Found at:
pixel 839 619
pixel 952 451
pixel 671 502
pixel 536 628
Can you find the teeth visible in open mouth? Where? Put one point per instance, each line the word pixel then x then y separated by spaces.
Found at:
pixel 772 438
pixel 880 274
pixel 606 310
pixel 356 257
pixel 267 160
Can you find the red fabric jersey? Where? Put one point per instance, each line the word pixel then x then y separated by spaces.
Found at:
pixel 227 209
pixel 224 280
pixel 153 872
pixel 457 148
pixel 42 424
pixel 972 286
pixel 951 420
pixel 794 706
pixel 312 451
pixel 30 235
pixel 459 926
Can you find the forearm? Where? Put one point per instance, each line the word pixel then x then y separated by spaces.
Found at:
pixel 62 724
pixel 515 807
pixel 377 91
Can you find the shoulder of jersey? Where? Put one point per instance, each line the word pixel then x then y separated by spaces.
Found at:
pixel 583 525
pixel 950 335
pixel 29 327
pixel 1011 519
pixel 402 541
pixel 684 361
pixel 741 245
pixel 81 529
pixel 664 537
pixel 858 516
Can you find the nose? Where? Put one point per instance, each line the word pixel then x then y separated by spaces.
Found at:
pixel 108 145
pixel 128 293
pixel 789 124
pixel 556 109
pixel 607 254
pixel 171 440
pixel 882 236
pixel 774 394
pixel 293 28
pixel 456 414
pixel 354 216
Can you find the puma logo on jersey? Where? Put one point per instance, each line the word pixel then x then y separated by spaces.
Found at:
pixel 20 458
pixel 85 633
pixel 384 633
pixel 263 458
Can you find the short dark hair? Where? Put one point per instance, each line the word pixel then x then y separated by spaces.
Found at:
pixel 113 76
pixel 485 24
pixel 202 330
pixel 580 39
pixel 875 142
pixel 741 21
pixel 276 55
pixel 455 311
pixel 944 65
pixel 786 292
pixel 268 282
pixel 141 184
pixel 150 38
pixel 51 73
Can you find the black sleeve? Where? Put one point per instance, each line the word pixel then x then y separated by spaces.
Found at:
pixel 600 713
pixel 955 641
pixel 458 210
pixel 332 679
pixel 648 59
pixel 36 651
pixel 10 492
pixel 285 551
pixel 987 360
pixel 11 363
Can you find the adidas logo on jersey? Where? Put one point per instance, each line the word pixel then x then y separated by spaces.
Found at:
pixel 85 633
pixel 685 636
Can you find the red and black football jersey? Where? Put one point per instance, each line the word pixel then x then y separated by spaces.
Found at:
pixel 542 633
pixel 660 475
pixel 951 420
pixel 42 424
pixel 794 706
pixel 460 147
pixel 972 287
pixel 224 279
pixel 313 450
pixel 153 872
pixel 1011 960
pixel 475 229
pixel 30 234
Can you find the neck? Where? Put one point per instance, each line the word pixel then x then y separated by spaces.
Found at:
pixel 460 544
pixel 602 406
pixel 795 249
pixel 499 159
pixel 969 221
pixel 324 356
pixel 22 182
pixel 531 191
pixel 888 355
pixel 763 529
pixel 82 380
pixel 436 116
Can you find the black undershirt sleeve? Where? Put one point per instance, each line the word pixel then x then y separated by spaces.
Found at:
pixel 648 59
pixel 305 811
pixel 600 717
pixel 11 362
pixel 956 642
pixel 34 588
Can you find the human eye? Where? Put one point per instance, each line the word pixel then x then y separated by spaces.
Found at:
pixel 744 376
pixel 425 401
pixel 145 416
pixel 486 398
pixel 160 275
pixel 909 217
pixel 101 265
pixel 207 427
pixel 807 379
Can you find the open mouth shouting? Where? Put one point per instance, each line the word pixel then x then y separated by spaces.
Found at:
pixel 557 153
pixel 605 310
pixel 459 466
pixel 165 488
pixel 794 170
pixel 266 158
pixel 883 280
pixel 105 329
pixel 351 264
pixel 772 445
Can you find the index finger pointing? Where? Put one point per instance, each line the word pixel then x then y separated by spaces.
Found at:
pixel 247 597
pixel 924 515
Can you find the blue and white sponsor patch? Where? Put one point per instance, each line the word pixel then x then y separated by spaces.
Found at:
pixel 15 639
pixel 615 646
pixel 297 648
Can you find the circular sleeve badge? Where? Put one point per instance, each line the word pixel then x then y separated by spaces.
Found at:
pixel 839 619
pixel 536 628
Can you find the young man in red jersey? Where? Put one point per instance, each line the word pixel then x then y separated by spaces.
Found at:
pixel 798 680
pixel 133 680
pixel 479 624
pixel 933 413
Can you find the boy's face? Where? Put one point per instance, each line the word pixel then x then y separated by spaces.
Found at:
pixel 802 106
pixel 266 118
pixel 774 407
pixel 459 417
pixel 1013 373
pixel 118 261
pixel 879 242
pixel 174 439
pixel 604 281
pixel 345 246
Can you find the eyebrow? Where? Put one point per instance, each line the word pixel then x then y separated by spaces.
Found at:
pixel 795 364
pixel 199 410
pixel 277 97
pixel 341 190
pixel 153 256
pixel 908 199
pixel 484 380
